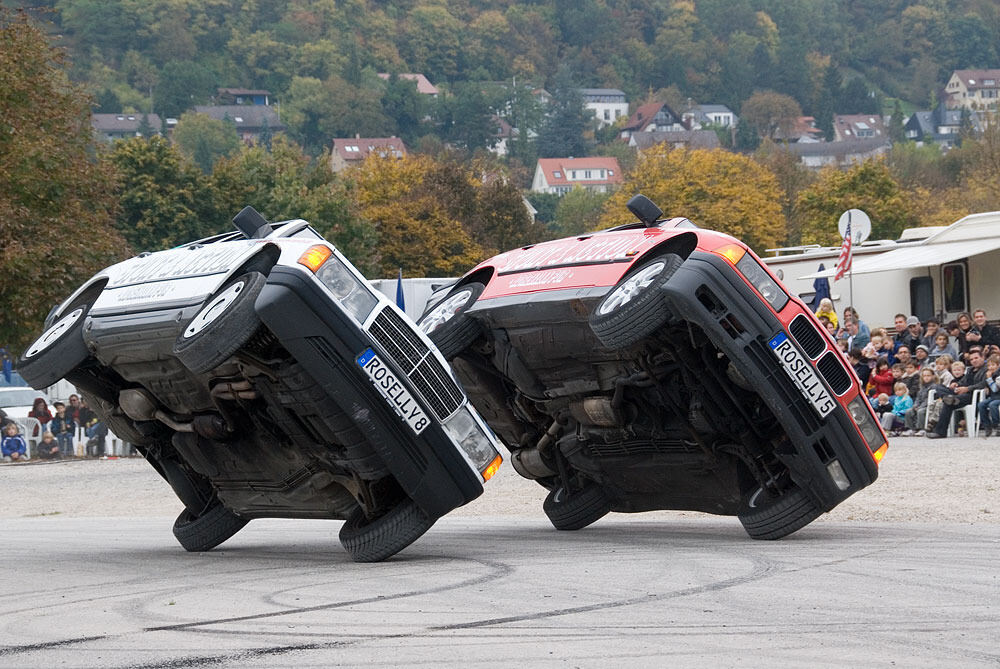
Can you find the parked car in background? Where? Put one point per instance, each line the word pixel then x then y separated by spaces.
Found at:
pixel 261 376
pixel 16 401
pixel 657 365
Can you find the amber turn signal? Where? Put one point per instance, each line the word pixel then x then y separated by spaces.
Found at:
pixel 315 256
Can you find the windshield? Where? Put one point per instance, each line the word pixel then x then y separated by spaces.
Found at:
pixel 15 397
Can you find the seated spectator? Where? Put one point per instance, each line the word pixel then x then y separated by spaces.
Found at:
pixel 962 391
pixel 850 313
pixel 48 447
pixel 827 311
pixel 966 327
pixel 942 347
pixel 881 378
pixel 13 447
pixel 989 407
pixel 892 420
pixel 943 368
pixel 832 329
pixel 860 365
pixel 903 355
pixel 914 419
pixel 4 419
pixel 63 427
pixel 988 334
pixel 40 411
pixel 911 377
pixel 856 338
pixel 882 404
pixel 931 328
pixel 922 356
pixel 910 337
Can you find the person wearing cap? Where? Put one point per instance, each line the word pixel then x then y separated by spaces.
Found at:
pixel 909 336
pixel 921 355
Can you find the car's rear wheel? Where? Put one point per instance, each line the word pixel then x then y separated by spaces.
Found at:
pixel 635 307
pixel 224 324
pixel 449 326
pixel 777 517
pixel 576 510
pixel 376 539
pixel 205 531
pixel 57 352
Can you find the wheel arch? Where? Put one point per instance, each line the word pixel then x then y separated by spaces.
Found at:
pixel 682 244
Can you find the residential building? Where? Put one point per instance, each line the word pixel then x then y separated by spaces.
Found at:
pixel 676 139
pixel 652 117
pixel 561 175
pixel 940 126
pixel 802 130
pixel 423 85
pixel 848 127
pixel 839 154
pixel 504 134
pixel 251 120
pixel 698 116
pixel 973 89
pixel 109 127
pixel 353 150
pixel 243 96
pixel 607 104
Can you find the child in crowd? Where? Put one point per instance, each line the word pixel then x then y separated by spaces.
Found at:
pixel 882 404
pixel 942 366
pixel 63 427
pixel 48 449
pixel 860 365
pixel 13 447
pixel 892 420
pixel 911 377
pixel 826 311
pixel 989 407
pixel 942 346
pixel 881 377
pixel 915 418
pixel 957 372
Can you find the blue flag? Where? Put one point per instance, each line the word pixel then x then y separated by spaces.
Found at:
pixel 400 302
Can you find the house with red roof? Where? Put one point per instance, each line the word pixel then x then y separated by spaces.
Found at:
pixel 424 86
pixel 652 117
pixel 561 175
pixel 354 150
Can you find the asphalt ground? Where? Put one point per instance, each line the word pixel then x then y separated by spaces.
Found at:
pixel 905 573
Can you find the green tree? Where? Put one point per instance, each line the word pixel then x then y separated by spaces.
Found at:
pixel 56 203
pixel 716 189
pixel 578 211
pixel 467 120
pixel 770 113
pixel 204 139
pixel 164 200
pixel 405 106
pixel 561 134
pixel 501 220
pixel 896 121
pixel 869 187
pixel 181 85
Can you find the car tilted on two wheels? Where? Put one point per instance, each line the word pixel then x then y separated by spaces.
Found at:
pixel 261 376
pixel 659 366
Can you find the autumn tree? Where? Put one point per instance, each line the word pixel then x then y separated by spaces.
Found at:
pixel 415 232
pixel 769 113
pixel 714 188
pixel 578 211
pixel 56 203
pixel 164 199
pixel 204 139
pixel 869 187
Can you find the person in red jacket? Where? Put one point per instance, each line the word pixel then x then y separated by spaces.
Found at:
pixel 881 378
pixel 40 410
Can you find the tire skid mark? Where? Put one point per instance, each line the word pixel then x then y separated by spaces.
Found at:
pixel 48 645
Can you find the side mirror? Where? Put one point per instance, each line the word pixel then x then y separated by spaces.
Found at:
pixel 644 209
pixel 252 224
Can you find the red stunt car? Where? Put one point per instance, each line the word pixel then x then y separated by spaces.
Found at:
pixel 659 366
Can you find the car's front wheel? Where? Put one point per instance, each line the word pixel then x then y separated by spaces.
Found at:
pixel 57 352
pixel 224 324
pixel 635 307
pixel 576 510
pixel 205 531
pixel 449 326
pixel 767 517
pixel 376 539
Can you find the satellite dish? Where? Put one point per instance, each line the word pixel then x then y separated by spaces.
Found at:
pixel 861 225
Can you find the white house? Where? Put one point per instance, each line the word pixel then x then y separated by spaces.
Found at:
pixel 561 175
pixel 607 104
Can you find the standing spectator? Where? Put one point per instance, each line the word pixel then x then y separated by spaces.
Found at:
pixel 63 427
pixel 13 447
pixel 916 417
pixel 989 407
pixel 942 347
pixel 962 389
pixel 989 335
pixel 892 420
pixel 48 447
pixel 827 311
pixel 931 328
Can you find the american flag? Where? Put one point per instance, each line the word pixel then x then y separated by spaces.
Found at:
pixel 844 260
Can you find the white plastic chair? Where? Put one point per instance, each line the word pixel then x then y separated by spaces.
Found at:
pixel 972 414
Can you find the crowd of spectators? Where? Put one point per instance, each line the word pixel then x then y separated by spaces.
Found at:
pixel 922 373
pixel 58 430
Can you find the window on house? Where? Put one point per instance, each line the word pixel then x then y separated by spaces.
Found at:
pixel 572 175
pixel 238 119
pixel 607 114
pixel 911 134
pixel 989 82
pixel 352 149
pixel 557 174
pixel 586 174
pixel 611 173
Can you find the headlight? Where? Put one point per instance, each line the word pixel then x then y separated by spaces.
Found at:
pixel 870 430
pixel 763 282
pixel 351 292
pixel 464 429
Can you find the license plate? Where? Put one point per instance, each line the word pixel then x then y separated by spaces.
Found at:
pixel 802 374
pixel 394 392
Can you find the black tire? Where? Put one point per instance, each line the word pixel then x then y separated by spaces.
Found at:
pixel 576 511
pixel 58 351
pixel 635 307
pixel 207 530
pixel 449 326
pixel 781 516
pixel 225 322
pixel 380 538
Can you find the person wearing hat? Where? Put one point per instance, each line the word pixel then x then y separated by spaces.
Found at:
pixel 921 355
pixel 908 332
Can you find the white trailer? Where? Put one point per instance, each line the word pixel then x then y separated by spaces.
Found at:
pixel 932 272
